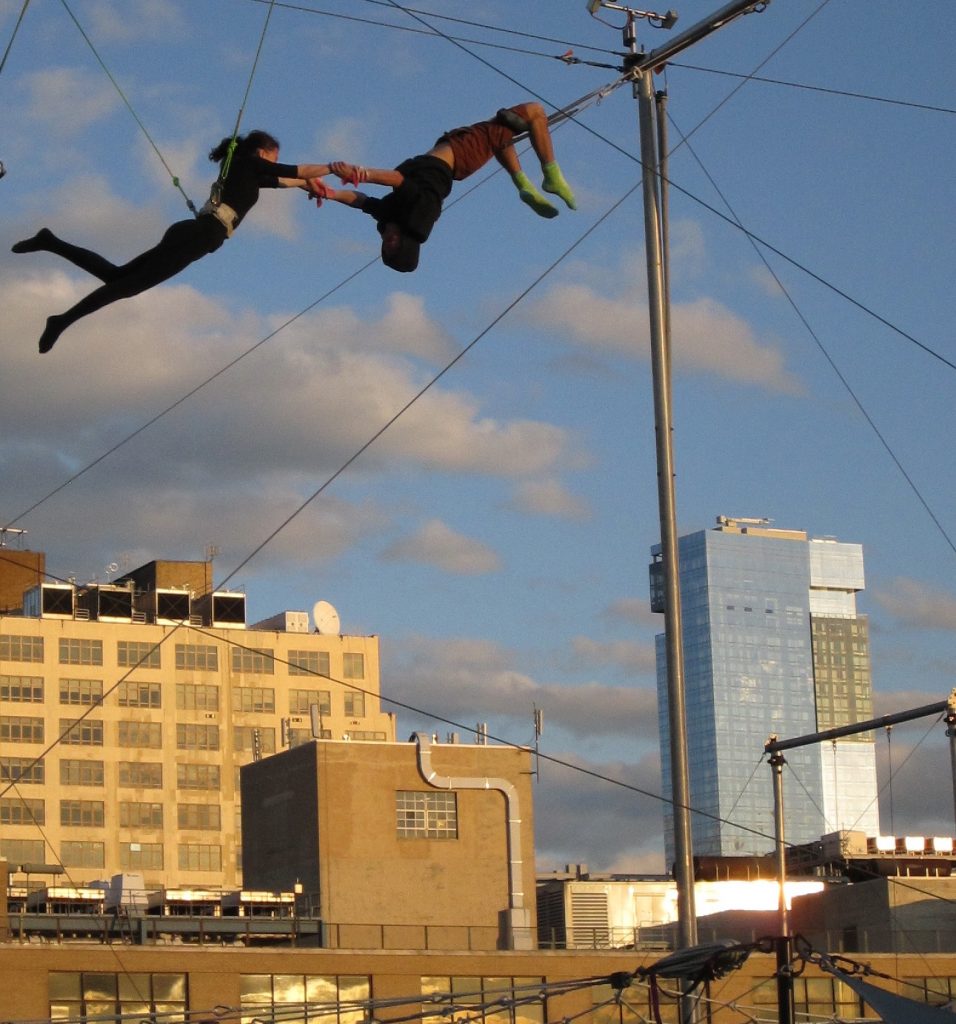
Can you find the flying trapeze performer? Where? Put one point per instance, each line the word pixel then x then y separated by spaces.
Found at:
pixel 405 216
pixel 254 165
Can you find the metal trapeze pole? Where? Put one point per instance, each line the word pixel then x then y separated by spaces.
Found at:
pixel 641 66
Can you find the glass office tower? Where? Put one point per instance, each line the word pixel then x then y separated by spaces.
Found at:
pixel 772 646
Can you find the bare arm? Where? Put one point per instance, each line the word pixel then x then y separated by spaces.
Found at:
pixel 346 196
pixel 372 175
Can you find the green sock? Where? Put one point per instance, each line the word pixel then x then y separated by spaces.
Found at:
pixel 554 182
pixel 530 195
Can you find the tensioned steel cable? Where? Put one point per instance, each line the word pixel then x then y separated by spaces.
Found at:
pixel 16 29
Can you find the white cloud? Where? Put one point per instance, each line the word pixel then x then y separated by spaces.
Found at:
pixel 436 544
pixel 69 100
pixel 603 814
pixel 918 605
pixel 550 498
pixel 322 388
pixel 344 138
pixel 706 336
pixel 629 655
pixel 635 610
pixel 140 19
pixel 88 213
pixel 466 680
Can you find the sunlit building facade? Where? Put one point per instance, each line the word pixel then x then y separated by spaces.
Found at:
pixel 773 645
pixel 127 709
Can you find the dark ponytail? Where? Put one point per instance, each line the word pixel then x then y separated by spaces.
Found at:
pixel 256 139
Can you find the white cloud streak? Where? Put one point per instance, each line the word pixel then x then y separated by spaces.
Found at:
pixel 438 545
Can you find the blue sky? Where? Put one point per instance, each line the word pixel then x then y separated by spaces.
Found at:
pixel 497 536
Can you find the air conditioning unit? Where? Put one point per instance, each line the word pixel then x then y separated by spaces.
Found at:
pixel 49 601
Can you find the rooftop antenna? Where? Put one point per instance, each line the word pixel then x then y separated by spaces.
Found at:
pixel 652 122
pixel 538 729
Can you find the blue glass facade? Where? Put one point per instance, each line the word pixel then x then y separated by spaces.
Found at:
pixel 748 665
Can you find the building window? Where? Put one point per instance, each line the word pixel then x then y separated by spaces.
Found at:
pixel 296 737
pixel 18 811
pixel 142 735
pixel 308 663
pixel 502 1000
pixel 826 997
pixel 24 770
pixel 252 739
pixel 81 813
pixel 199 657
pixel 82 855
pixel 139 695
pixel 197 697
pixel 14 729
pixel 21 648
pixel 196 737
pixel 354 704
pixel 81 692
pixel 329 998
pixel 140 815
pixel 197 776
pixel 82 732
pixel 141 774
pixel 253 698
pixel 260 660
pixel 141 856
pixel 81 773
pixel 301 701
pixel 117 996
pixel 367 735
pixel 199 816
pixel 200 857
pixel 137 654
pixel 23 851
pixel 426 815
pixel 22 689
pixel 80 652
pixel 939 991
pixel 353 666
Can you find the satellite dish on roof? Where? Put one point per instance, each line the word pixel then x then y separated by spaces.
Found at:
pixel 326 618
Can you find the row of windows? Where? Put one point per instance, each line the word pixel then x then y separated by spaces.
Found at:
pixel 198 657
pixel 133 856
pixel 338 999
pixel 75 995
pixel 189 696
pixel 335 999
pixel 130 774
pixel 91 813
pixel 89 732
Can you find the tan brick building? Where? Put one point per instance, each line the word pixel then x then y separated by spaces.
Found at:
pixel 405 845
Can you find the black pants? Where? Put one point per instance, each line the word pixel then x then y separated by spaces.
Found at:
pixel 183 243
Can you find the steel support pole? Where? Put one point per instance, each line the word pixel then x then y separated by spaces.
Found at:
pixel 660 367
pixel 784 979
pixel 951 733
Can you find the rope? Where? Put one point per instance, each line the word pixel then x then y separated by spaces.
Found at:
pixel 129 106
pixel 227 160
pixel 16 28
